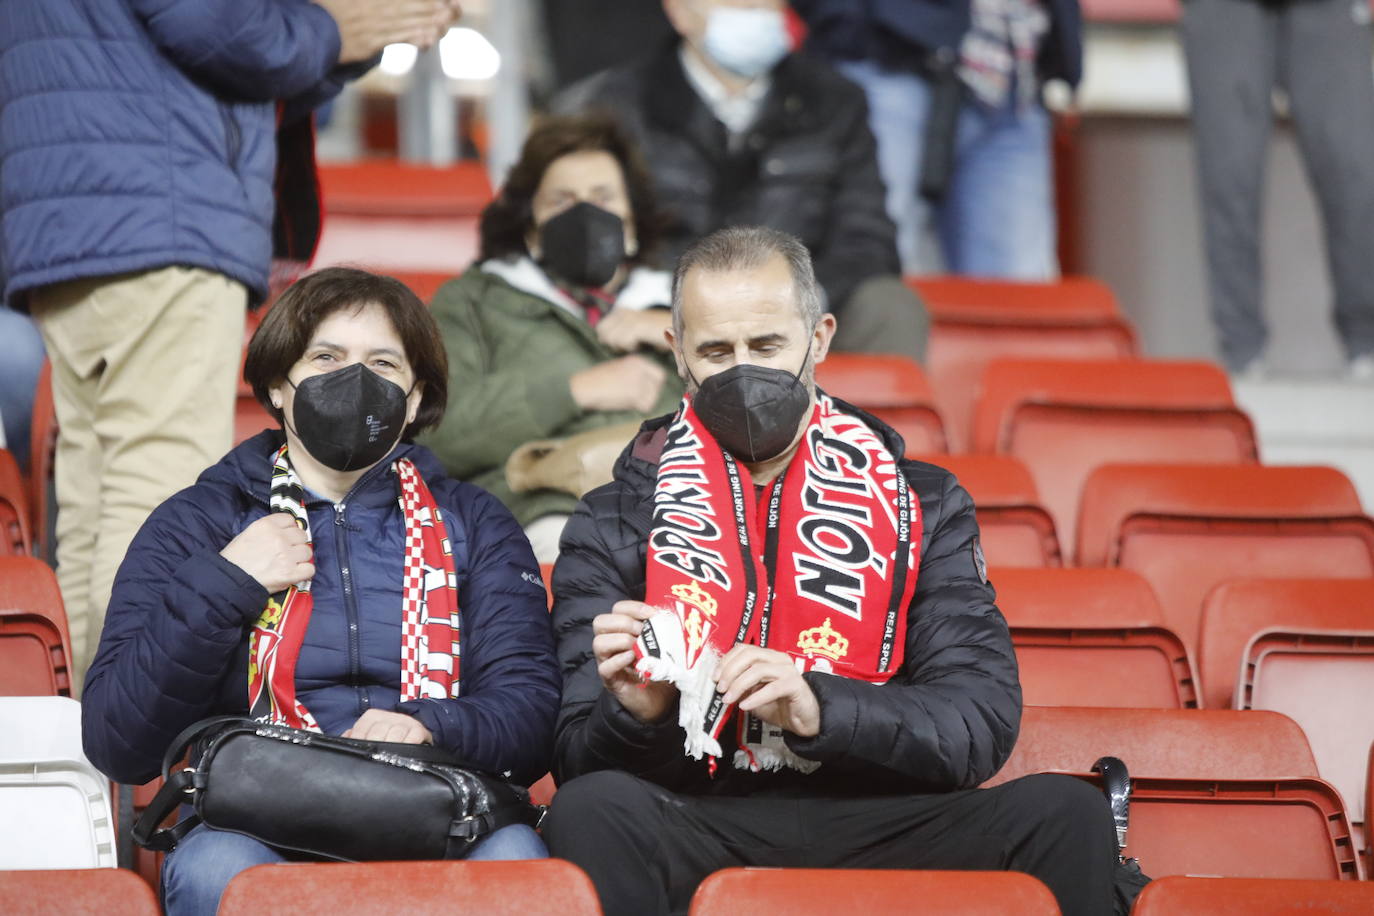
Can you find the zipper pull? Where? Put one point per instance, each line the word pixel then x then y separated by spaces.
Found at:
pixel 339 513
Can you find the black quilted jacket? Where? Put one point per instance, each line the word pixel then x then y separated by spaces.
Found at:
pixel 947 720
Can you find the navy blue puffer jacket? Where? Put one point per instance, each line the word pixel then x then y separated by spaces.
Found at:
pixel 174 648
pixel 139 134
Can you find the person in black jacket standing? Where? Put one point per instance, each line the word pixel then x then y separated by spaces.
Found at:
pixel 737 130
pixel 843 713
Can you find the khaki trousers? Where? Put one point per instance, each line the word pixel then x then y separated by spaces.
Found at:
pixel 143 378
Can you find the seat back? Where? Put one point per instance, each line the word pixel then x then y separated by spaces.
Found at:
pixel 1233 612
pixel 1015 530
pixel 1186 528
pixel 76 892
pixel 55 804
pixel 1064 418
pixel 1323 679
pixel 973 322
pixel 1093 637
pixel 1168 743
pixel 14 509
pixel 1247 828
pixel 514 888
pixel 1176 895
pixel 893 389
pixel 825 891
pixel 35 647
pixel 423 284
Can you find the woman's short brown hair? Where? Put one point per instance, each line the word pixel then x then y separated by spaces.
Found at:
pixel 508 218
pixel 281 339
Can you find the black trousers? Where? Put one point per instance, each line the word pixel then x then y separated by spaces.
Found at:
pixel 646 849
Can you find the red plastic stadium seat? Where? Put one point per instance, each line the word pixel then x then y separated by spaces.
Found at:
pixel 1369 816
pixel 1093 637
pixel 825 891
pixel 76 892
pixel 1176 895
pixel 1169 743
pixel 424 285
pixel 1186 528
pixel 893 389
pixel 1014 527
pixel 1321 674
pixel 42 450
pixel 1064 418
pixel 531 887
pixel 14 509
pixel 976 321
pixel 35 648
pixel 1235 611
pixel 386 187
pixel 250 418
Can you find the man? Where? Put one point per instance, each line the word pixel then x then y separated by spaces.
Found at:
pixel 964 140
pixel 137 164
pixel 740 131
pixel 864 668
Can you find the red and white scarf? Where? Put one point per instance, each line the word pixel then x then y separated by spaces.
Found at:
pixel 429 607
pixel 822 567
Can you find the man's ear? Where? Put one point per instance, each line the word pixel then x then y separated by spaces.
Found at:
pixel 821 337
pixel 674 349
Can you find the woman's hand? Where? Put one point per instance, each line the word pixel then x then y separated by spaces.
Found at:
pixel 380 725
pixel 628 329
pixel 272 550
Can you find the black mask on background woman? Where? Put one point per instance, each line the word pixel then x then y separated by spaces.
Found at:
pixel 584 245
pixel 753 411
pixel 349 418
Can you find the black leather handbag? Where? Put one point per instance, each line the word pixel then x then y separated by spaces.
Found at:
pixel 336 798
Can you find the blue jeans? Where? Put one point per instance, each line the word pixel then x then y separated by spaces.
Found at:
pixel 21 358
pixel 195 874
pixel 997 218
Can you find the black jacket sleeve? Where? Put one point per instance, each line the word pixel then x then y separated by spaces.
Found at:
pixel 594 731
pixel 950 716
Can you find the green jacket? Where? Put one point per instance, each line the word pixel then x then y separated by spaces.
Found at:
pixel 510 356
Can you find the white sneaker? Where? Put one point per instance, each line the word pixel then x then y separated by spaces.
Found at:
pixel 1361 368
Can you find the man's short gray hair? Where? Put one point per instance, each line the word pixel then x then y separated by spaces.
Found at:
pixel 745 248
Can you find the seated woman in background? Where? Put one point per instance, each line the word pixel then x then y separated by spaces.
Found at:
pixel 352 365
pixel 558 330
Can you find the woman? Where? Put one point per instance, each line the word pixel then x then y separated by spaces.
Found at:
pixel 558 329
pixel 352 365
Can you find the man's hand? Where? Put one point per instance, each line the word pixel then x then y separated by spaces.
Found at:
pixel 768 684
pixel 366 26
pixel 613 641
pixel 272 550
pixel 628 383
pixel 380 725
pixel 627 329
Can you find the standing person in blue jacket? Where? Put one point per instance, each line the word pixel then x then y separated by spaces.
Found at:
pixel 214 588
pixel 964 139
pixel 139 142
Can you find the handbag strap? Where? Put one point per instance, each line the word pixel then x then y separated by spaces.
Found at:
pixel 465 831
pixel 1116 781
pixel 174 792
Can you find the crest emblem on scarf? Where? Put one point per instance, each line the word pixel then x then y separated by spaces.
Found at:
pixel 696 607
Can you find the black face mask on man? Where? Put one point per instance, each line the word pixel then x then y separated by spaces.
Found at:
pixel 584 245
pixel 349 418
pixel 753 411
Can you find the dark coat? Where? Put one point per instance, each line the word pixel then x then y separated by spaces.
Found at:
pixel 900 32
pixel 947 720
pixel 174 649
pixel 807 166
pixel 140 134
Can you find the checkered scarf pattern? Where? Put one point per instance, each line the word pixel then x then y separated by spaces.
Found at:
pixel 429 607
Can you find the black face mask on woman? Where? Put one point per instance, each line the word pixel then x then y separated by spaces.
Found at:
pixel 584 245
pixel 349 418
pixel 753 411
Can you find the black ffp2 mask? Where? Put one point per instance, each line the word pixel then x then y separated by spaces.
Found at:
pixel 753 411
pixel 349 418
pixel 584 245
